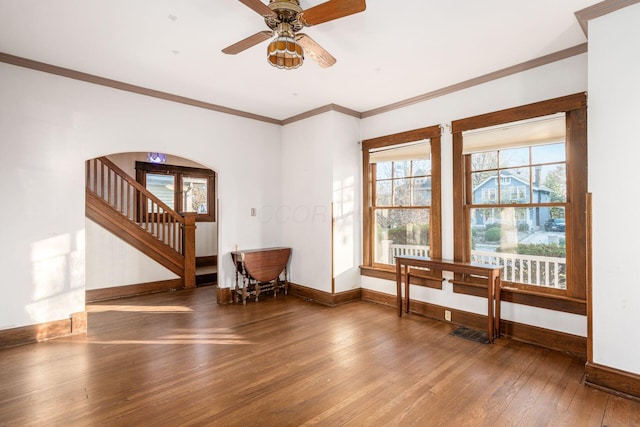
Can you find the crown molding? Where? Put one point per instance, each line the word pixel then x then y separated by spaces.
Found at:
pixel 524 66
pixel 599 9
pixel 321 110
pixel 115 84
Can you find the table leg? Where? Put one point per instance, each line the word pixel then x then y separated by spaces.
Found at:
pixel 286 281
pixel 275 286
pixel 407 280
pixel 244 291
pixel 497 314
pixel 399 286
pixel 237 296
pixel 490 298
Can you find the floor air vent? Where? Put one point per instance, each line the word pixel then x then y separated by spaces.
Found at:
pixel 470 334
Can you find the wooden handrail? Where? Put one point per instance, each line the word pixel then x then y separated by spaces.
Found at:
pixel 141 188
pixel 131 199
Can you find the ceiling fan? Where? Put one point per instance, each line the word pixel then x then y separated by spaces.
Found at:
pixel 285 18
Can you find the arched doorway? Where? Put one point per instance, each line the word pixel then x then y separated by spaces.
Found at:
pixel 116 265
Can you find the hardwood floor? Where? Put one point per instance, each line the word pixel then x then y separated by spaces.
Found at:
pixel 181 359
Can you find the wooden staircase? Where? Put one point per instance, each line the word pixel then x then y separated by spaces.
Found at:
pixel 127 209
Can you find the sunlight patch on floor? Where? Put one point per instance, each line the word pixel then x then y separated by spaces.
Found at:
pixel 216 341
pixel 139 308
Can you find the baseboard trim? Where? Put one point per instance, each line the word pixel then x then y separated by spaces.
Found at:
pixel 541 337
pixel 432 311
pixel 325 298
pixel 612 380
pixel 103 294
pixel 76 324
pixel 554 340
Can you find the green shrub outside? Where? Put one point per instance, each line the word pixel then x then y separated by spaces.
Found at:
pixel 539 249
pixel 493 234
pixel 399 235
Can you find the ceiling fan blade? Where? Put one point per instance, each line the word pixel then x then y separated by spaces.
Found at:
pixel 332 9
pixel 248 42
pixel 315 51
pixel 258 7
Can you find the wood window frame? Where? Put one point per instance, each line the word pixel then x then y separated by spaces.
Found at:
pixel 573 299
pixel 432 133
pixel 142 168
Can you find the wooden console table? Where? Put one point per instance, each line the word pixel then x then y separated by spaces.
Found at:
pixel 491 272
pixel 260 270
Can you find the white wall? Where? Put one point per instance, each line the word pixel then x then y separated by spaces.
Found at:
pixel 321 158
pixel 305 213
pixel 50 125
pixel 110 261
pixel 614 150
pixel 347 202
pixel 550 81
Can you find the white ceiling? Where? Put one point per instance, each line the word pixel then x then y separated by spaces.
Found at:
pixel 392 51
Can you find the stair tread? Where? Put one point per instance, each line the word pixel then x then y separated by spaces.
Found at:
pixel 207 269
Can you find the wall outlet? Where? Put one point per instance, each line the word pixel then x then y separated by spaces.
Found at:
pixel 447 315
pixel 253 211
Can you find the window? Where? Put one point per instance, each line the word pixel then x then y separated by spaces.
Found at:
pixel 401 198
pixel 520 199
pixel 181 188
pixel 513 231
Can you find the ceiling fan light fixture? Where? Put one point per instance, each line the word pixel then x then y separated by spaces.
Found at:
pixel 285 52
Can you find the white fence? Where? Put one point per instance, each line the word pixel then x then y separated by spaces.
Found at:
pixel 536 270
pixel 407 250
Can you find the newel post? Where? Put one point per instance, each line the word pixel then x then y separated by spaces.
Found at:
pixel 189 248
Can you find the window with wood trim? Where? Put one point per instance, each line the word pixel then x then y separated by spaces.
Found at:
pixel 520 183
pixel 401 198
pixel 183 189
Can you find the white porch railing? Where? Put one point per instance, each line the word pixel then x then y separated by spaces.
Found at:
pixel 536 270
pixel 406 250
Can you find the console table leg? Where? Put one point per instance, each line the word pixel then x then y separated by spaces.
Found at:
pixel 497 313
pixel 399 286
pixel 407 282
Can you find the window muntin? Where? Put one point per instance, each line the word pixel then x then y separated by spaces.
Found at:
pixel 402 198
pixel 408 185
pixel 525 239
pixel 183 189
